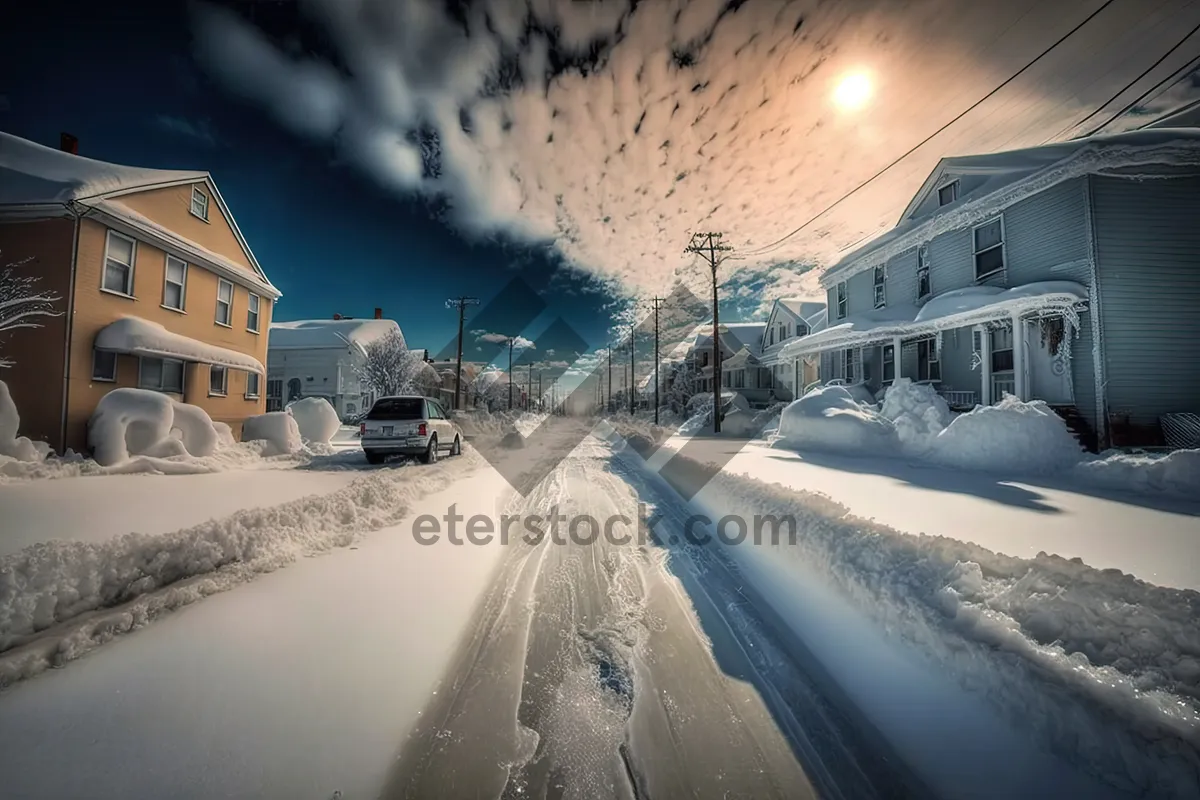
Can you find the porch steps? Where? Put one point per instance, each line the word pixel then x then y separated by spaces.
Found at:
pixel 1078 426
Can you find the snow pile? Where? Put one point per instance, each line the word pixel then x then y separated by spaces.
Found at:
pixel 224 435
pixel 50 592
pixel 1010 437
pixel 130 422
pixel 918 412
pixel 829 418
pixel 1104 669
pixel 12 446
pixel 316 419
pixel 1174 473
pixel 278 429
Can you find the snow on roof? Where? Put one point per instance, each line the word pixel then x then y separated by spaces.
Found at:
pixel 33 174
pixel 314 334
pixel 735 334
pixel 953 309
pixel 141 337
pixel 1016 174
pixel 802 308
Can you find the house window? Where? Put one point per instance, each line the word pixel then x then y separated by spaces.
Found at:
pixel 848 365
pixel 218 380
pixel 928 367
pixel 161 375
pixel 104 365
pixel 224 302
pixel 989 248
pixel 841 300
pixel 889 363
pixel 174 283
pixel 739 379
pixel 948 193
pixel 252 313
pixel 199 203
pixel 118 264
pixel 880 293
pixel 252 384
pixel 1002 350
pixel 924 288
pixel 275 394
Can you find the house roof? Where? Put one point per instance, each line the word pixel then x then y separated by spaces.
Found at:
pixel 954 309
pixel 1010 176
pixel 35 179
pixel 141 337
pixel 735 334
pixel 802 308
pixel 319 334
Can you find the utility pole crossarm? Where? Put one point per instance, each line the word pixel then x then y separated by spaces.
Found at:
pixel 707 246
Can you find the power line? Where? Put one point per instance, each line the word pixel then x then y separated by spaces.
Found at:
pixel 1184 70
pixel 930 137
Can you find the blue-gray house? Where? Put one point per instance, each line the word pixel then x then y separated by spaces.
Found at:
pixel 1068 273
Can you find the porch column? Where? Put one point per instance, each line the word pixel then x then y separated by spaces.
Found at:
pixel 1019 355
pixel 985 365
pixel 896 361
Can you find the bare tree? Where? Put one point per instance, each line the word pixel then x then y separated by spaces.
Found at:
pixel 21 305
pixel 389 367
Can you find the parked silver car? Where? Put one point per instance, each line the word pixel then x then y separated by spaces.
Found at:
pixel 409 425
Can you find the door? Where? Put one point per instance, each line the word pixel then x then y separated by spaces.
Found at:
pixel 1048 365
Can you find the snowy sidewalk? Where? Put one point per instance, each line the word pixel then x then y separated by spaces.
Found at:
pixel 1155 538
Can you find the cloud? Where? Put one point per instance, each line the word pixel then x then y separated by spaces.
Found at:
pixel 499 338
pixel 198 130
pixel 550 352
pixel 614 130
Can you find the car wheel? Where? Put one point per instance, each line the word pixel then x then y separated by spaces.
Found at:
pixel 374 458
pixel 456 448
pixel 431 452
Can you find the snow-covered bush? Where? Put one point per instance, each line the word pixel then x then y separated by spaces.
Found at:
pixel 829 418
pixel 316 419
pixel 1012 437
pixel 1174 473
pixel 918 412
pixel 20 448
pixel 277 428
pixel 129 422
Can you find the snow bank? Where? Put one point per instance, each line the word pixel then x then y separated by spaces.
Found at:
pixel 828 418
pixel 129 422
pixel 1010 437
pixel 316 419
pixel 12 446
pixel 918 412
pixel 60 599
pixel 1174 473
pixel 1101 668
pixel 277 428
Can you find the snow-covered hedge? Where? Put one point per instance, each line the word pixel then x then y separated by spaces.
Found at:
pixel 132 422
pixel 829 418
pixel 316 419
pixel 278 429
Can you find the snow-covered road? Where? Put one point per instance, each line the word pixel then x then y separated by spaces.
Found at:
pixel 568 669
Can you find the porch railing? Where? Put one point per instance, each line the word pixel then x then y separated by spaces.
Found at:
pixel 956 398
pixel 1001 387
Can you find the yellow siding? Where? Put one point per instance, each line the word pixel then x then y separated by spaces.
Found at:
pixel 170 208
pixel 94 309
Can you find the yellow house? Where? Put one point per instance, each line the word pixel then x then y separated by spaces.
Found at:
pixel 155 285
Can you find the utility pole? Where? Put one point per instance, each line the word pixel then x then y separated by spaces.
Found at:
pixel 510 346
pixel 707 246
pixel 632 365
pixel 541 398
pixel 608 405
pixel 461 304
pixel 658 301
pixel 529 388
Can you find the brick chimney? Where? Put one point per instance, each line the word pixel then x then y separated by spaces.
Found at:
pixel 68 143
pixel 379 313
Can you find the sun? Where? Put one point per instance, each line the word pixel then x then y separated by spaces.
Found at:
pixel 853 91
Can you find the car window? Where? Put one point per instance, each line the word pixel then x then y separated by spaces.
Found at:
pixel 392 408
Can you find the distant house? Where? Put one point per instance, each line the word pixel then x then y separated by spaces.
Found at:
pixel 158 287
pixel 789 320
pixel 321 358
pixel 1068 273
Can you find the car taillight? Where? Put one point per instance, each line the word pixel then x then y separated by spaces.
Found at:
pixel 362 429
pixel 421 429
